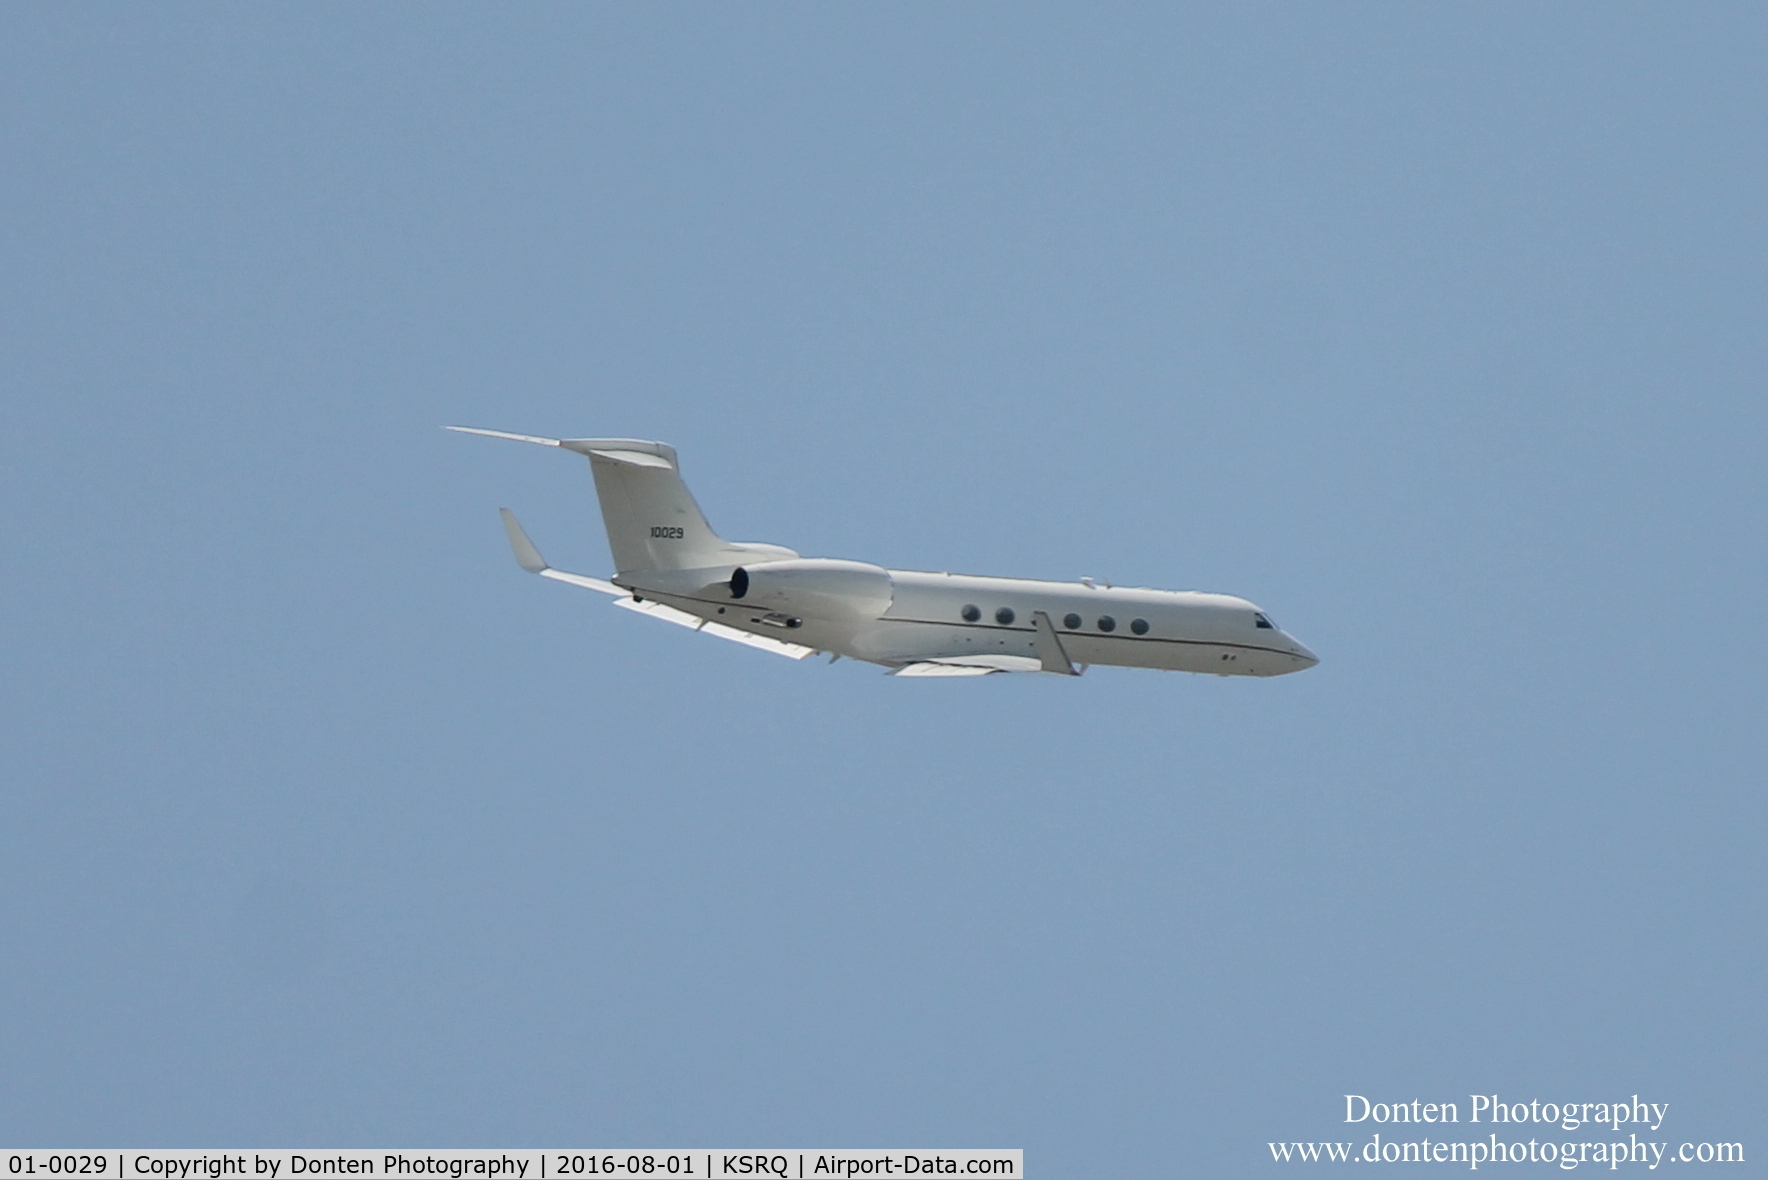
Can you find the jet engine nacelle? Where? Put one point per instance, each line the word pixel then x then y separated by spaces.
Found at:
pixel 819 587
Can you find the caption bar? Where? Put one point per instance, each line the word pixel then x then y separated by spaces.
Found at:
pixel 700 1163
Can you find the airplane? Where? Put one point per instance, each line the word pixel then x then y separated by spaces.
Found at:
pixel 670 565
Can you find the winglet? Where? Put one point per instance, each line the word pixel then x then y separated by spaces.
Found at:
pixel 1049 646
pixel 527 556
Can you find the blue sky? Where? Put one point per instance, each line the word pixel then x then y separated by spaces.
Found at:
pixel 1437 331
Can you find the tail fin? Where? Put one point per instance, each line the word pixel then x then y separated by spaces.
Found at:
pixel 651 518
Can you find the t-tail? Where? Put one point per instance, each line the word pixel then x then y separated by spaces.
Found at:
pixel 652 520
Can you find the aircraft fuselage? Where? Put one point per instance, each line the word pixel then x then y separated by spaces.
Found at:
pixel 935 616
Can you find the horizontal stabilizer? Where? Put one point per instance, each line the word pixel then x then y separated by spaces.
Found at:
pixel 528 438
pixel 632 452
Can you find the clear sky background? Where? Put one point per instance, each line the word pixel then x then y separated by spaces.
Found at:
pixel 1436 330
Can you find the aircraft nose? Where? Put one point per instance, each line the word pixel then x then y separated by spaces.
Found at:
pixel 1300 651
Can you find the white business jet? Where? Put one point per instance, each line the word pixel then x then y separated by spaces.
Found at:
pixel 672 566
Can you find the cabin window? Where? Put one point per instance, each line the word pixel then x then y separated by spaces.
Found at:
pixel 1107 623
pixel 1139 626
pixel 1004 616
pixel 1264 622
pixel 971 613
pixel 1071 621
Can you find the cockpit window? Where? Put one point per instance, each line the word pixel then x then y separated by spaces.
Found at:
pixel 1263 621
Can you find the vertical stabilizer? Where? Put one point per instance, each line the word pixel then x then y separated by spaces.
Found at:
pixel 651 518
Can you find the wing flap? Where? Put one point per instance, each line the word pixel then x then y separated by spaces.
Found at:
pixel 978 665
pixel 657 610
pixel 681 618
pixel 929 669
pixel 586 582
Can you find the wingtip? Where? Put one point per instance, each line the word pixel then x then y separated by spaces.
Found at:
pixel 527 556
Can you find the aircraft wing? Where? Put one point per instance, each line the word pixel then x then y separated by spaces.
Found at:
pixel 528 557
pixel 929 668
pixel 681 618
pixel 969 666
pixel 1050 658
